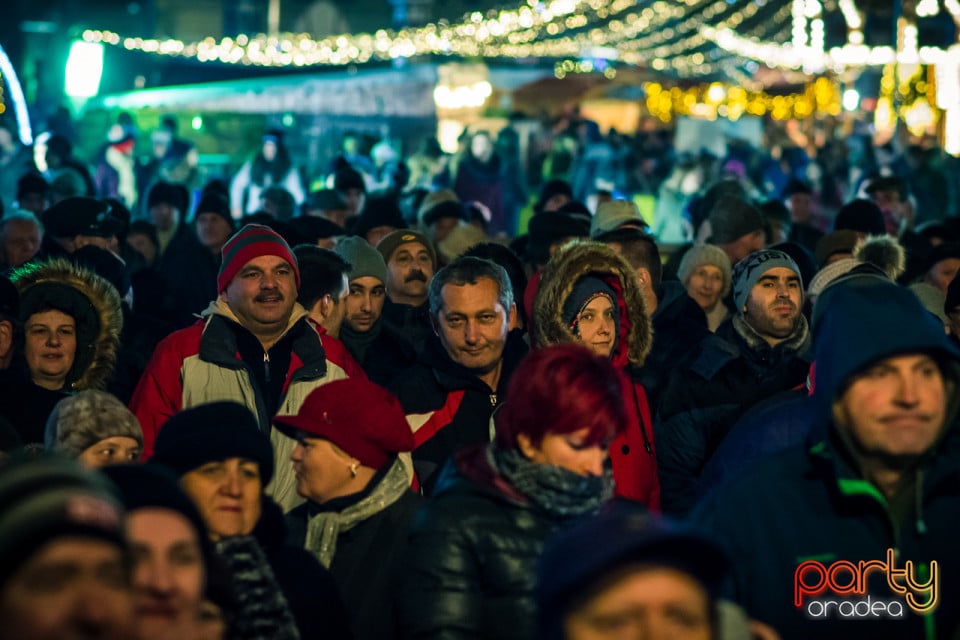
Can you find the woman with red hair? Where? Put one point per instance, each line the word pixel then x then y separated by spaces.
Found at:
pixel 473 549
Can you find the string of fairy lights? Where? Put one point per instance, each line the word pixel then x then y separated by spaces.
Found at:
pixel 666 35
pixel 688 38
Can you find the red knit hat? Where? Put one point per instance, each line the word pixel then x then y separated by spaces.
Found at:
pixel 363 419
pixel 253 241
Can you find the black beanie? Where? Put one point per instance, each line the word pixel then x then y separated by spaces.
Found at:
pixel 379 212
pixel 213 432
pixel 166 193
pixel 860 215
pixel 214 203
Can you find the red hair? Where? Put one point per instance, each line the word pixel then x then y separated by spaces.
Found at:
pixel 561 389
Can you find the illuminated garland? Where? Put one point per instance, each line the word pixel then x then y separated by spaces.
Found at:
pixel 716 100
pixel 659 35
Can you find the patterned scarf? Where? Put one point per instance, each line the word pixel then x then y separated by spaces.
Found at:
pixel 324 527
pixel 554 489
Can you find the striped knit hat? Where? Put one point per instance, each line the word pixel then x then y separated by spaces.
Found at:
pixel 252 241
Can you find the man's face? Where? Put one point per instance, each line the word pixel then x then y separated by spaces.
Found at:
pixel 744 246
pixel 34 201
pixel 895 410
pixel 888 200
pixel 168 572
pixel 801 207
pixel 164 216
pixel 213 230
pixel 774 304
pixel 21 241
pixel 473 325
pixel 262 294
pixel 942 273
pixel 71 588
pixel 442 228
pixel 354 198
pixel 408 272
pixel 647 602
pixel 364 304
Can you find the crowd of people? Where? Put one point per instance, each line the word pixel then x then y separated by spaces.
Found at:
pixel 375 409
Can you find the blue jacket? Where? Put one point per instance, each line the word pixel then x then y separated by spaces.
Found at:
pixel 812 502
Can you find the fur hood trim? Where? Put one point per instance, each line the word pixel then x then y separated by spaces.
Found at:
pixel 96 347
pixel 569 264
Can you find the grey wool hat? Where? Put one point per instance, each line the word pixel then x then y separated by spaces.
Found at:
pixel 364 260
pixel 707 254
pixel 86 418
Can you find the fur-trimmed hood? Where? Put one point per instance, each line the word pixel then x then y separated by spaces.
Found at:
pixel 568 265
pixel 93 303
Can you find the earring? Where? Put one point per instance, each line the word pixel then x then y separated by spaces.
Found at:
pixel 353 469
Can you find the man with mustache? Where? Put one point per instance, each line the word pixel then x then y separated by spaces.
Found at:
pixel 411 261
pixel 875 479
pixel 758 352
pixel 255 344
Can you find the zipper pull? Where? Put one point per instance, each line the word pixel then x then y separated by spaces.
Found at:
pixel 493 399
pixel 266 366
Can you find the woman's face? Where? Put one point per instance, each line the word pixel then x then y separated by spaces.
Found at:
pixel 168 572
pixel 322 470
pixel 596 326
pixel 705 286
pixel 227 493
pixel 50 346
pixel 112 450
pixel 571 451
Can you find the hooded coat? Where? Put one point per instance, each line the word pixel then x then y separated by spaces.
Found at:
pixel 632 453
pixel 95 306
pixel 99 339
pixel 813 502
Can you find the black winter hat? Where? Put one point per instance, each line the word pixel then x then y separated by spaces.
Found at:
pixel 379 212
pixel 80 216
pixel 860 215
pixel 213 432
pixel 348 178
pixel 214 203
pixel 732 218
pixel 166 193
pixel 552 188
pixel 446 209
pixel 549 228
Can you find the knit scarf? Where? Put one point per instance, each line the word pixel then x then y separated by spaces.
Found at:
pixel 795 343
pixel 323 528
pixel 556 490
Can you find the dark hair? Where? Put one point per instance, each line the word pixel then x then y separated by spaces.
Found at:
pixel 321 274
pixel 589 397
pixel 283 200
pixel 639 250
pixel 277 169
pixel 469 270
pixel 503 256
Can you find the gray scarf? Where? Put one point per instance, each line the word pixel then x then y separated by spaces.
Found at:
pixel 324 527
pixel 556 490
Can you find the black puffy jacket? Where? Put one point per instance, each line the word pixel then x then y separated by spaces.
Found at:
pixel 471 563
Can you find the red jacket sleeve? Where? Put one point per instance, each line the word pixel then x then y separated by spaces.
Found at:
pixel 159 394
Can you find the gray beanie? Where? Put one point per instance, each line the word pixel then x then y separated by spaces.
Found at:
pixel 82 420
pixel 748 271
pixel 364 260
pixel 707 254
pixel 732 218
